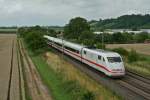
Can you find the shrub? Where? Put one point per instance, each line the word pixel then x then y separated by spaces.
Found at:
pixel 121 51
pixel 133 56
pixel 88 96
pixel 100 46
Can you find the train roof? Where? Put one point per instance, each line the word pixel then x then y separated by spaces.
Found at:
pixel 66 43
pixel 103 52
pixel 79 47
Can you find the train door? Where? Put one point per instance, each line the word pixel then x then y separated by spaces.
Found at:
pixel 84 53
pixel 101 60
pixel 85 57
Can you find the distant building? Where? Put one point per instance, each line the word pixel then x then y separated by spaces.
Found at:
pixel 98 32
pixel 136 32
pixel 112 31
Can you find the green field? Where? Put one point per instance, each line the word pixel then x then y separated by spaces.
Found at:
pixel 142 66
pixel 8 30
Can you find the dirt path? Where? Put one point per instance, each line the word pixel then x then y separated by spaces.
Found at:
pixel 37 89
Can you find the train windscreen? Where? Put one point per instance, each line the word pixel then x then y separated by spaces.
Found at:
pixel 114 59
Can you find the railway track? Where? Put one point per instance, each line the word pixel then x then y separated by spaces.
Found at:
pixel 137 84
pixel 138 76
pixel 130 87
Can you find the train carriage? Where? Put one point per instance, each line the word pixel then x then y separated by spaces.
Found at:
pixel 107 62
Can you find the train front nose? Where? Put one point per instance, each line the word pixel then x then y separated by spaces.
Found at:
pixel 118 69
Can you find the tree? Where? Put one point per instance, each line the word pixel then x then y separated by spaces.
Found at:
pixel 52 33
pixel 141 37
pixel 22 31
pixel 33 36
pixel 118 37
pixel 128 37
pixel 86 38
pixel 100 46
pixel 75 27
pixel 133 21
pixel 35 40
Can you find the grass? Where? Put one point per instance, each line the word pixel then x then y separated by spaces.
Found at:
pixel 65 82
pixel 50 78
pixel 60 88
pixel 69 83
pixel 141 66
pixel 70 73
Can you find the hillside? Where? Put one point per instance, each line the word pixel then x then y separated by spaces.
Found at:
pixel 123 22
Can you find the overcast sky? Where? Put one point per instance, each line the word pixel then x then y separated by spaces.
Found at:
pixel 59 12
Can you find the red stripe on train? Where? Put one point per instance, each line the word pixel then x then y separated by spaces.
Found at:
pixel 73 53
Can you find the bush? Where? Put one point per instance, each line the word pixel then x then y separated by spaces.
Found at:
pixel 76 91
pixel 88 96
pixel 35 40
pixel 133 56
pixel 121 51
pixel 100 46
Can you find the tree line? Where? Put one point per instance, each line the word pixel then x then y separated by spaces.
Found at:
pixel 33 36
pixel 78 30
pixel 123 22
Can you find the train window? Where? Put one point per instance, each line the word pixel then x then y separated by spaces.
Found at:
pixel 114 59
pixel 99 57
pixel 71 49
pixel 103 59
pixel 58 44
pixel 85 52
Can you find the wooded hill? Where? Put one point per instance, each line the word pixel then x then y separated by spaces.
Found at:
pixel 123 22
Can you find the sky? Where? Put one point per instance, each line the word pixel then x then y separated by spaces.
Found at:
pixel 59 12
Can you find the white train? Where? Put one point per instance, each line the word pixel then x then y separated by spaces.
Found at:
pixel 108 62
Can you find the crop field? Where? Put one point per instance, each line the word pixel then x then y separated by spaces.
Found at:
pixel 140 48
pixel 9 78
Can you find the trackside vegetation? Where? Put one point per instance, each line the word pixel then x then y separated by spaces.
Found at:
pixel 59 85
pixel 78 30
pixel 60 88
pixel 71 73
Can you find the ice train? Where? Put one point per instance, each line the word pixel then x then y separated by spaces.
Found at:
pixel 108 62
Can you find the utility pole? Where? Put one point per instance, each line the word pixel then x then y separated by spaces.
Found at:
pixel 47 30
pixel 103 32
pixel 102 39
pixel 17 30
pixel 62 45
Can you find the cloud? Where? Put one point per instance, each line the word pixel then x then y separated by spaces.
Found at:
pixel 59 12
